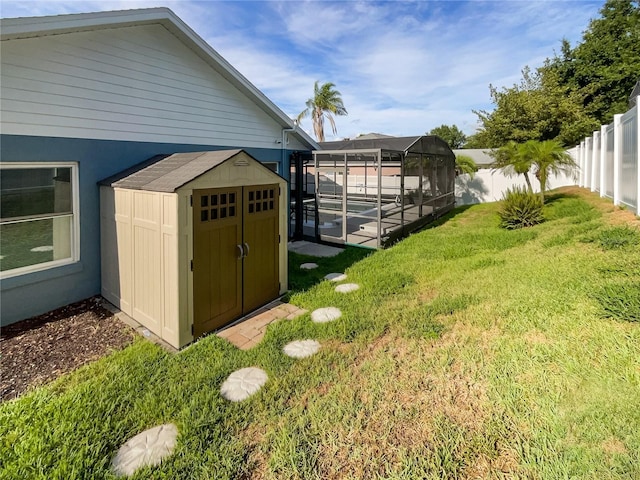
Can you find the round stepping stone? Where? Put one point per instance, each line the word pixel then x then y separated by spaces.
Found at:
pixel 326 314
pixel 145 449
pixel 44 248
pixel 347 287
pixel 309 266
pixel 243 383
pixel 301 348
pixel 336 277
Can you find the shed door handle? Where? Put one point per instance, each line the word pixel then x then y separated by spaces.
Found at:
pixel 246 246
pixel 241 250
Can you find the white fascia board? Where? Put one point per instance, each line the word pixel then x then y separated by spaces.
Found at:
pixel 28 27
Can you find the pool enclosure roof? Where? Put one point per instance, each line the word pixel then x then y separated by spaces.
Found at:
pixel 421 144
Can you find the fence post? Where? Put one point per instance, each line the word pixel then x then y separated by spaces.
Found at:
pixel 603 157
pixel 583 152
pixel 595 157
pixel 581 163
pixel 588 160
pixel 617 156
pixel 637 133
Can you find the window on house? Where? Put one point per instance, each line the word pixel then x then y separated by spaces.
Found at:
pixel 38 217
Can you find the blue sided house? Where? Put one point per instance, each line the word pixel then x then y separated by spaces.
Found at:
pixel 86 97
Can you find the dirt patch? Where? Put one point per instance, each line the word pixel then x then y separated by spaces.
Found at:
pixel 536 337
pixel 505 462
pixel 405 396
pixel 40 349
pixel 427 295
pixel 614 446
pixel 256 461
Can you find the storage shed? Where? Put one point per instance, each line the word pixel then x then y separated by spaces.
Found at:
pixel 193 241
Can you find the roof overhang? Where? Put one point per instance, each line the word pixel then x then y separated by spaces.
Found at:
pixel 31 27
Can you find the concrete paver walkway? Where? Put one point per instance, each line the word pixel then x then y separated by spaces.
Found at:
pixel 301 348
pixel 243 383
pixel 247 332
pixel 145 449
pixel 347 287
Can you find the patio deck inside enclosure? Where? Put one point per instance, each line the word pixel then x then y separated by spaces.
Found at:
pixel 370 192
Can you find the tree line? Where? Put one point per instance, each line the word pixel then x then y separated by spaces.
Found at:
pixel 575 91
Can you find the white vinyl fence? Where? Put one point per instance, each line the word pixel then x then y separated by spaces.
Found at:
pixel 490 185
pixel 609 160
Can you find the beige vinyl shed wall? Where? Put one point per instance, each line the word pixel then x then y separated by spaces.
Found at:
pixel 147 246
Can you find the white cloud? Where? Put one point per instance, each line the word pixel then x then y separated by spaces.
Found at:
pixel 402 67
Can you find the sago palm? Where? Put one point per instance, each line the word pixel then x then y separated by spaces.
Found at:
pixel 325 102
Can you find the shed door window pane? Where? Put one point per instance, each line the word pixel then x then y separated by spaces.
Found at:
pixel 36 216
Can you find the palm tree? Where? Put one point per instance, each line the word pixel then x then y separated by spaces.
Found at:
pixel 511 159
pixel 325 102
pixel 549 158
pixel 465 164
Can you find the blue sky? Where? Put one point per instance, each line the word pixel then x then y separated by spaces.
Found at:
pixel 402 67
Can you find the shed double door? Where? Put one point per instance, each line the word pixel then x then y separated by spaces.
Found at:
pixel 235 253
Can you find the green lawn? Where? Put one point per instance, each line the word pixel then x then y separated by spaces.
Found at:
pixel 468 352
pixel 19 238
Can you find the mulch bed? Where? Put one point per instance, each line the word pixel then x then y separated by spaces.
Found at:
pixel 40 349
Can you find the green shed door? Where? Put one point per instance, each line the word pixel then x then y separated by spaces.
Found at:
pixel 217 262
pixel 235 253
pixel 261 263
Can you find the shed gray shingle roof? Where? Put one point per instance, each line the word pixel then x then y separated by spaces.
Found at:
pixel 168 173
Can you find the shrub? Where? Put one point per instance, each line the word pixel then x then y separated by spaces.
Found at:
pixel 620 301
pixel 520 209
pixel 619 237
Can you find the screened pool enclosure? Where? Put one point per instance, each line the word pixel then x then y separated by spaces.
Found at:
pixel 370 192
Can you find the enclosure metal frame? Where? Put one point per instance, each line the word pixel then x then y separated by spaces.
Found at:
pixel 390 217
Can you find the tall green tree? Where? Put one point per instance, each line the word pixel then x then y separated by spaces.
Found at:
pixel 573 93
pixel 326 102
pixel 451 134
pixel 537 108
pixel 603 68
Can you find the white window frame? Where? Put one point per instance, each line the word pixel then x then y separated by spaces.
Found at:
pixel 75 217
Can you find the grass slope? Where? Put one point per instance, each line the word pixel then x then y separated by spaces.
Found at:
pixel 468 352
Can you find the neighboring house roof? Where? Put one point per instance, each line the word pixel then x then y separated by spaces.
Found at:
pixel 167 173
pixel 428 143
pixel 479 155
pixel 369 136
pixel 30 27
